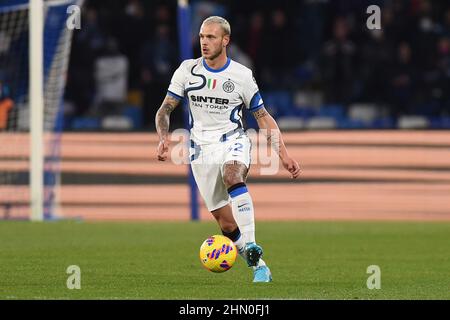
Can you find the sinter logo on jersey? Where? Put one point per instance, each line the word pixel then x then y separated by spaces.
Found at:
pixel 209 103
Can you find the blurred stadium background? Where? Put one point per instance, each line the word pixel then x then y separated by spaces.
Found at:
pixel 316 62
pixel 365 112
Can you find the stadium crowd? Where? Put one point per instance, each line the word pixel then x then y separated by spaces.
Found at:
pixel 311 58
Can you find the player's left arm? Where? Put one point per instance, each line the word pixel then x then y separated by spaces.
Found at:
pixel 275 140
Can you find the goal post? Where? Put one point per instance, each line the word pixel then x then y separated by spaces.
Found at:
pixel 34 53
pixel 36 50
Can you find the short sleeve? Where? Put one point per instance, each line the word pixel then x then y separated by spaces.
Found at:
pixel 250 93
pixel 176 87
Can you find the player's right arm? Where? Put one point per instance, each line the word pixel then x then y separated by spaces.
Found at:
pixel 174 95
pixel 162 121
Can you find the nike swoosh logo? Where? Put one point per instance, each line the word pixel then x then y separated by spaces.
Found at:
pixel 191 83
pixel 243 205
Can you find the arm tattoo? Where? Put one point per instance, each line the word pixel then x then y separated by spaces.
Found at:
pixel 260 113
pixel 272 134
pixel 162 116
pixel 273 140
pixel 166 108
pixel 271 131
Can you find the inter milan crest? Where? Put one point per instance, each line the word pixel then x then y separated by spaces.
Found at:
pixel 228 86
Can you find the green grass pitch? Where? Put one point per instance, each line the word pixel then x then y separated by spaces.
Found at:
pixel 155 260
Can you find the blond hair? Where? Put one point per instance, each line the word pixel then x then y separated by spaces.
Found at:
pixel 224 24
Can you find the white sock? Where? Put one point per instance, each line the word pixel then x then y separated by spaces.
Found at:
pixel 238 239
pixel 260 263
pixel 240 245
pixel 243 213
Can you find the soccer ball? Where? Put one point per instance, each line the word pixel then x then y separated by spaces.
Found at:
pixel 218 253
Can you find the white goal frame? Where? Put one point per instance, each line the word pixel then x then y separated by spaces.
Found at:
pixel 36 100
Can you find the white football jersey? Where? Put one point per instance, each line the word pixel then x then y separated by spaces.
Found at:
pixel 215 98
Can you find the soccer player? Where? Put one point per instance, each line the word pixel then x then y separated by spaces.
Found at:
pixel 217 88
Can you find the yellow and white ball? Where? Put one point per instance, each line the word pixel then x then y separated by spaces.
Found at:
pixel 218 253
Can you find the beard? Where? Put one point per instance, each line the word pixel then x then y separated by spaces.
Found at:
pixel 216 54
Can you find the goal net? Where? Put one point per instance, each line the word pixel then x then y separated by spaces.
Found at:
pixel 15 100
